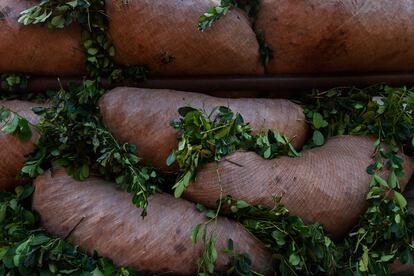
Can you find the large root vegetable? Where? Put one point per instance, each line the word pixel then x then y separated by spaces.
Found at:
pixel 143 116
pixel 163 35
pixel 327 185
pixel 338 35
pixel 12 149
pixel 98 217
pixel 37 49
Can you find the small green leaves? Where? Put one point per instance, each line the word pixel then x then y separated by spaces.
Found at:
pixel 194 233
pixel 206 138
pixel 15 124
pixel 13 81
pixel 400 200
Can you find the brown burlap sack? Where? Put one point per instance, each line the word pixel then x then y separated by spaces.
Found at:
pixel 163 35
pixel 102 218
pixel 12 149
pixel 142 117
pixel 338 35
pixel 328 184
pixel 36 49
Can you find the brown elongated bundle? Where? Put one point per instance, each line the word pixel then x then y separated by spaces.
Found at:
pixel 36 49
pixel 163 34
pixel 98 217
pixel 327 185
pixel 12 149
pixel 142 117
pixel 338 35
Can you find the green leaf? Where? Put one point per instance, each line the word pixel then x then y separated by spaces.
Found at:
pixel 318 121
pixel 194 233
pixel 400 199
pixel 318 138
pixel 58 21
pixel 170 159
pixel 12 126
pixel 294 259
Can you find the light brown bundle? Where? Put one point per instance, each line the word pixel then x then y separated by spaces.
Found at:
pixel 327 185
pixel 142 117
pixel 163 34
pixel 36 49
pixel 338 35
pixel 12 149
pixel 99 217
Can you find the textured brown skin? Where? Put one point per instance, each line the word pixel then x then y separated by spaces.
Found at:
pixel 12 149
pixel 148 31
pixel 142 117
pixel 36 49
pixel 310 36
pixel 113 226
pixel 327 185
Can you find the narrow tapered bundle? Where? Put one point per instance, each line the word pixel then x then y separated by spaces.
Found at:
pixel 102 218
pixel 36 49
pixel 142 117
pixel 163 34
pixel 327 185
pixel 12 149
pixel 338 35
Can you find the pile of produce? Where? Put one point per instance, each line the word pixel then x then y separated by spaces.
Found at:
pixel 131 180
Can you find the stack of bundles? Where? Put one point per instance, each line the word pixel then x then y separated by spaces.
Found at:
pixel 354 35
pixel 327 185
pixel 12 149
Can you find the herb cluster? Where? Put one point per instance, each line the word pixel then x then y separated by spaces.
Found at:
pixel 384 233
pixel 12 82
pixel 209 137
pixel 72 135
pixel 26 249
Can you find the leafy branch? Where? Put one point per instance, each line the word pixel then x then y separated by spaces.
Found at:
pixel 91 16
pixel 72 135
pixel 15 124
pixel 209 137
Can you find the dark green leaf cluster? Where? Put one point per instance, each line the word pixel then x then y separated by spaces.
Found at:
pixel 26 249
pixel 209 137
pixel 382 112
pixel 91 16
pixel 13 123
pixel 384 233
pixel 72 135
pixel 12 82
pixel 298 249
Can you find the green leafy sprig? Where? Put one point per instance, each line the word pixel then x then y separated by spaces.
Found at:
pixel 26 249
pixel 15 124
pixel 91 16
pixel 12 82
pixel 209 137
pixel 72 135
pixel 384 233
pixel 298 248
